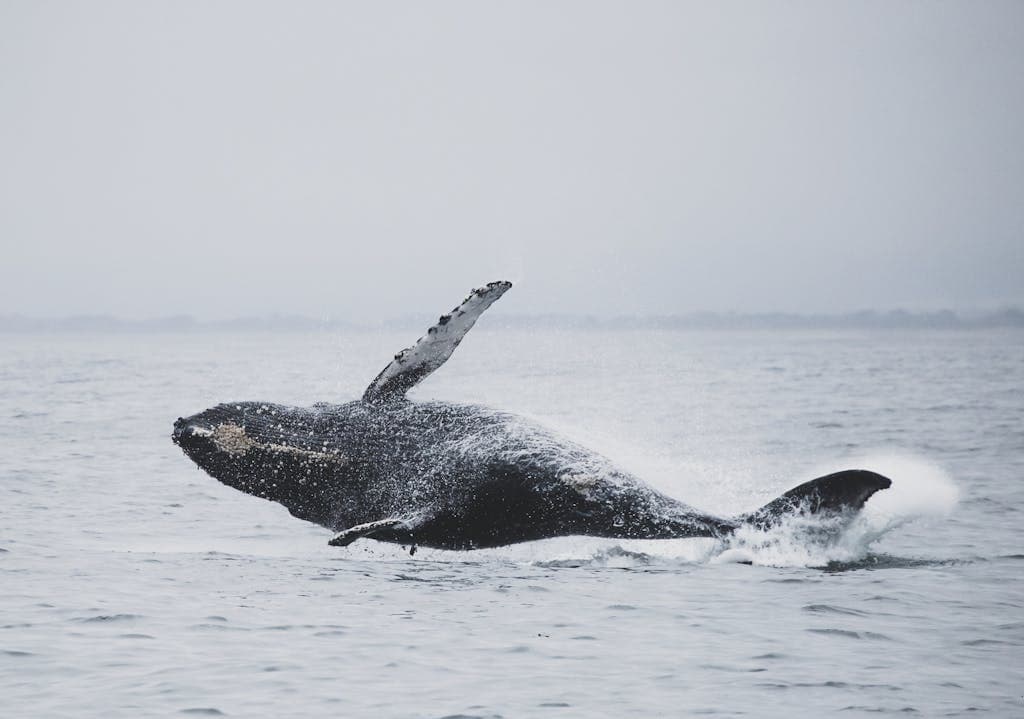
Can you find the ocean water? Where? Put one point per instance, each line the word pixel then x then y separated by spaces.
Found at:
pixel 132 585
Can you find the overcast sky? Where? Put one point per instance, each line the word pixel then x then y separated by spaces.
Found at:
pixel 343 159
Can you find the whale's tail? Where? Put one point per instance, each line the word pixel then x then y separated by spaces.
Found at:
pixel 834 494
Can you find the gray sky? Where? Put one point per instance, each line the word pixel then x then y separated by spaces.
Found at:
pixel 343 159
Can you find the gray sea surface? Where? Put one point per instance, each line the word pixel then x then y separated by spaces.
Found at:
pixel 133 585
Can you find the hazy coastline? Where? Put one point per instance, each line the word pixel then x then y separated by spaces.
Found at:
pixel 868 319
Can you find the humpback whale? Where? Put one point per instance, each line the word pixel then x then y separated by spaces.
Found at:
pixel 454 476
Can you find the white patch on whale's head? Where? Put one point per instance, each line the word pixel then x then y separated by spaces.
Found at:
pixel 231 438
pixel 210 435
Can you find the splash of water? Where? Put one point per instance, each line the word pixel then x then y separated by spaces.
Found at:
pixel 920 489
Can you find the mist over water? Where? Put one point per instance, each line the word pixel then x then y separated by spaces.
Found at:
pixel 135 585
pixel 920 490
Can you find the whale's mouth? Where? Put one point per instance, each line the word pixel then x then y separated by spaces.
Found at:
pixel 267 451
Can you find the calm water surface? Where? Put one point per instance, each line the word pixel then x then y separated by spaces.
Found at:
pixel 131 584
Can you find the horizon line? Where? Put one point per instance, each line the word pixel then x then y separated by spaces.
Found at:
pixel 1011 316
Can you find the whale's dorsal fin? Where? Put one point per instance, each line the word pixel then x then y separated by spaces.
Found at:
pixel 434 348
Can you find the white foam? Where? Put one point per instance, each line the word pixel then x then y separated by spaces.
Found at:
pixel 920 489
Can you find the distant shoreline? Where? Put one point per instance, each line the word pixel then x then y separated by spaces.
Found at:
pixel 894 319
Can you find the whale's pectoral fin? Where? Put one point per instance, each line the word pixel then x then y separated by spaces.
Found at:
pixel 839 493
pixel 347 536
pixel 434 348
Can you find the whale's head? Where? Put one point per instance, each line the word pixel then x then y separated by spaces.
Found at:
pixel 269 451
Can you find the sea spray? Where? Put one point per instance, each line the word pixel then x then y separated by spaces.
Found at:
pixel 920 489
